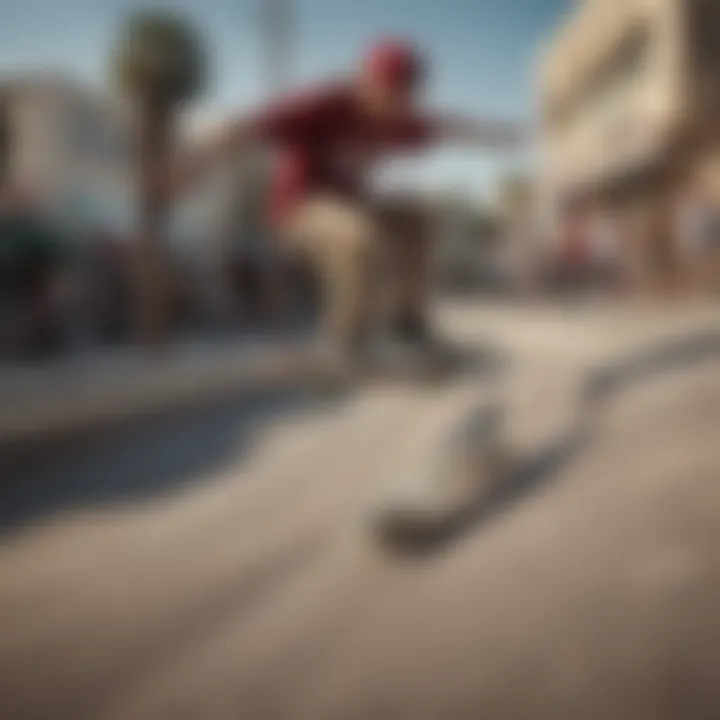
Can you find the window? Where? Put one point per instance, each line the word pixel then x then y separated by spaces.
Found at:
pixel 705 33
pixel 613 81
pixel 704 43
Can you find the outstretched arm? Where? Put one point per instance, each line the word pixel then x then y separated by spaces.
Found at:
pixel 230 140
pixel 489 133
pixel 288 120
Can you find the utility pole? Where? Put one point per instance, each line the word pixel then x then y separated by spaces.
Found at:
pixel 276 33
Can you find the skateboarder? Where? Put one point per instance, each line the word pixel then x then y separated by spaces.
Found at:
pixel 327 140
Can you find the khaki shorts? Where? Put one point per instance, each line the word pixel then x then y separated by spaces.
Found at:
pixel 373 261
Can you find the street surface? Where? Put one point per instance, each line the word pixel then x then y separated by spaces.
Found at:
pixel 218 566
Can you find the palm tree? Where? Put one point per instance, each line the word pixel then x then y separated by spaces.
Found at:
pixel 159 64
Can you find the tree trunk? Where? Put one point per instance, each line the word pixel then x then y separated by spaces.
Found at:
pixel 153 276
pixel 5 140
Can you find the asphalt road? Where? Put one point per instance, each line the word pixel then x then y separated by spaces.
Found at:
pixel 218 565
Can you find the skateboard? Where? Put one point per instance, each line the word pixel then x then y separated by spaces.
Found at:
pixel 468 469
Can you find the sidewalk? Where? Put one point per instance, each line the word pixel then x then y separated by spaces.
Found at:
pixel 79 392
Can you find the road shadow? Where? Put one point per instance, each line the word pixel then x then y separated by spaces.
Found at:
pixel 130 461
pixel 676 354
pixel 143 458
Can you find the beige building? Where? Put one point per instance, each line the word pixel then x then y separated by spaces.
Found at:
pixel 630 102
pixel 71 146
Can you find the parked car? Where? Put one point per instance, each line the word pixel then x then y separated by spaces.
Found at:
pixel 34 259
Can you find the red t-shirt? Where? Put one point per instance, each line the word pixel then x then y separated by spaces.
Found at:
pixel 326 143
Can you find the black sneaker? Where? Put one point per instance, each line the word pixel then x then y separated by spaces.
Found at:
pixel 412 330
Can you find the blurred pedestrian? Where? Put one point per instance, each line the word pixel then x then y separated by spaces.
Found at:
pixel 33 282
pixel 698 236
pixel 574 253
pixel 604 255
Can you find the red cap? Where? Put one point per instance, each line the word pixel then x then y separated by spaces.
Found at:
pixel 395 63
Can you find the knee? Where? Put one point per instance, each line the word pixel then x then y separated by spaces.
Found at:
pixel 407 222
pixel 356 238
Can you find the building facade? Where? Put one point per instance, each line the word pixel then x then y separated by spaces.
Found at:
pixel 630 118
pixel 71 147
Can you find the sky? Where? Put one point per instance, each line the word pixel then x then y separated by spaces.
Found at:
pixel 482 54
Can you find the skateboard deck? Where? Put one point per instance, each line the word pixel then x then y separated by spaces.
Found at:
pixel 467 469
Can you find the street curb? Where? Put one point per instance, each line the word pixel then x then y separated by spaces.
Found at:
pixel 165 385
